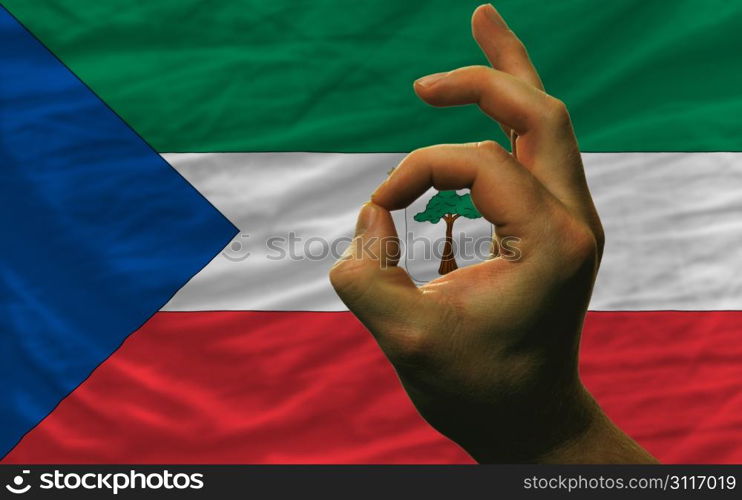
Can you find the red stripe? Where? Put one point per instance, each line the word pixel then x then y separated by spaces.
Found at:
pixel 672 380
pixel 302 387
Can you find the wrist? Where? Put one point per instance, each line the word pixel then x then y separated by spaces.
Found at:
pixel 572 428
pixel 600 442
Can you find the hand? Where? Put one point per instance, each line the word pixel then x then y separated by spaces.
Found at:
pixel 488 353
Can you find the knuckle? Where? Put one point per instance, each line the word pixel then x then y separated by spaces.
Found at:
pixel 418 155
pixel 581 245
pixel 347 278
pixel 513 43
pixel 556 111
pixel 409 346
pixel 340 275
pixel 476 76
pixel 599 237
pixel 477 70
pixel 491 150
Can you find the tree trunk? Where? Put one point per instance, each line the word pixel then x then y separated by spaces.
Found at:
pixel 448 259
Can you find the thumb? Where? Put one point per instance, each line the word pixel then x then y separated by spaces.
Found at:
pixel 366 277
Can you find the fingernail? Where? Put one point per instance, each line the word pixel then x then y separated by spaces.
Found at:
pixel 365 218
pixel 494 16
pixel 430 80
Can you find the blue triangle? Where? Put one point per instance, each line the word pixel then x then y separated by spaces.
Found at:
pixel 99 231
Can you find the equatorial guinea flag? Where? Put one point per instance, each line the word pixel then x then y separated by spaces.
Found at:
pixel 178 176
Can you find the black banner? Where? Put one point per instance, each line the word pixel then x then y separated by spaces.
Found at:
pixel 382 482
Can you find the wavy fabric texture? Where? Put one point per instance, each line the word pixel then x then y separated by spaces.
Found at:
pixel 92 215
pixel 671 219
pixel 329 76
pixel 312 387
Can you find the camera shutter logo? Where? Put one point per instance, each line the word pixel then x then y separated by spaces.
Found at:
pixel 17 487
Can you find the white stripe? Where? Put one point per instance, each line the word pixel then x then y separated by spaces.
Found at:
pixel 673 223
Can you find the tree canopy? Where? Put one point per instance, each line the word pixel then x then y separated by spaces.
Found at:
pixel 448 203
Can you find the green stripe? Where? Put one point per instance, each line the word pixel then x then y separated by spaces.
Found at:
pixel 189 75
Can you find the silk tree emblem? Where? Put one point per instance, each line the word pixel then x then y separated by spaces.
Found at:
pixel 448 206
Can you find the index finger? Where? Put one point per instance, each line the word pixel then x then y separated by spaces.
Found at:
pixel 503 191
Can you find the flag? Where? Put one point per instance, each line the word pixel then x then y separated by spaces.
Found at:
pixel 165 276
